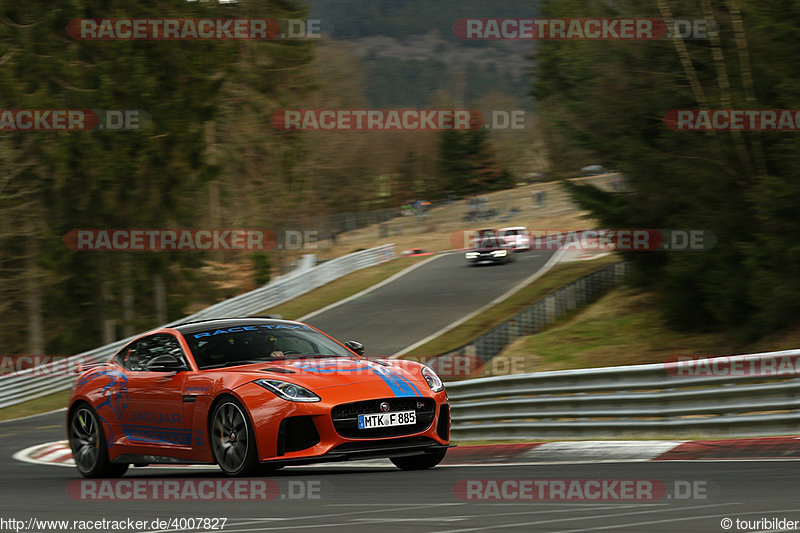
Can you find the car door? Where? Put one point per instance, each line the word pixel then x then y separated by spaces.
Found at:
pixel 156 416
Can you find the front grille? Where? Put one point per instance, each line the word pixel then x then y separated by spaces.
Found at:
pixel 296 433
pixel 345 417
pixel 443 426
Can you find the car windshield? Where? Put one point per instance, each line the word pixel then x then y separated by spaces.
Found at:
pixel 253 343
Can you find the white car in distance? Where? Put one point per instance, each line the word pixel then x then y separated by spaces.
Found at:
pixel 517 237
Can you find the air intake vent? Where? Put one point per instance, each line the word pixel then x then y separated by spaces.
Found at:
pixel 278 370
pixel 443 427
pixel 296 433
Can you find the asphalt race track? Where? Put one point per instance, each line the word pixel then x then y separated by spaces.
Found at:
pixel 381 498
pixel 375 496
pixel 436 294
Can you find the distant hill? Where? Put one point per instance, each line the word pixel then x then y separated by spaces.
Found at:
pixel 410 52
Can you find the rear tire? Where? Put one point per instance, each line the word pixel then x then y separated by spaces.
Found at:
pixel 233 441
pixel 87 440
pixel 422 461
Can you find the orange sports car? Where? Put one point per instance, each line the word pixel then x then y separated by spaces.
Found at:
pixel 252 395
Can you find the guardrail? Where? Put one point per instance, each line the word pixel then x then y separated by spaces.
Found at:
pixel 708 397
pixel 305 278
pixel 36 382
pixel 544 312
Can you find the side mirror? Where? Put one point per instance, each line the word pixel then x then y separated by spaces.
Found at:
pixel 165 363
pixel 355 346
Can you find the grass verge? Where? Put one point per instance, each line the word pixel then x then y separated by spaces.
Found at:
pixel 556 278
pixel 54 401
pixel 341 288
pixel 624 327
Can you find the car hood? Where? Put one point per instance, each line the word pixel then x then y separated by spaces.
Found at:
pixel 403 378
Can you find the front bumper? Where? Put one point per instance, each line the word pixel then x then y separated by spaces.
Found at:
pixel 303 433
pixel 489 258
pixel 398 447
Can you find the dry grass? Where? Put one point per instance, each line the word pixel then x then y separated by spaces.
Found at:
pixel 622 328
pixel 556 278
pixel 434 232
pixel 341 288
pixel 40 405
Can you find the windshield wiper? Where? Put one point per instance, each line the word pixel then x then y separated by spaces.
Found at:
pixel 270 359
pixel 313 355
pixel 236 363
pixel 294 355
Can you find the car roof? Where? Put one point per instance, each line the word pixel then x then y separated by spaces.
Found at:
pixel 222 323
pixel 513 227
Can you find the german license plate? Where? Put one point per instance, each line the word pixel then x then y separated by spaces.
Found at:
pixel 381 420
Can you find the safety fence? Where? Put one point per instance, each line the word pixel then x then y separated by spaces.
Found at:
pixel 544 312
pixel 744 395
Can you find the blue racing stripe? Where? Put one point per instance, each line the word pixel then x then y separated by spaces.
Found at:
pixel 397 383
pixel 400 387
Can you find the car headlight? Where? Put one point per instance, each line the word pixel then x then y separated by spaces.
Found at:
pixel 472 255
pixel 499 253
pixel 433 380
pixel 288 391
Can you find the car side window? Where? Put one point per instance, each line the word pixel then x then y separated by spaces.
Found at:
pixel 136 356
pixel 125 356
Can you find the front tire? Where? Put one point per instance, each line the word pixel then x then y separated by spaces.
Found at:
pixel 233 441
pixel 87 441
pixel 422 461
